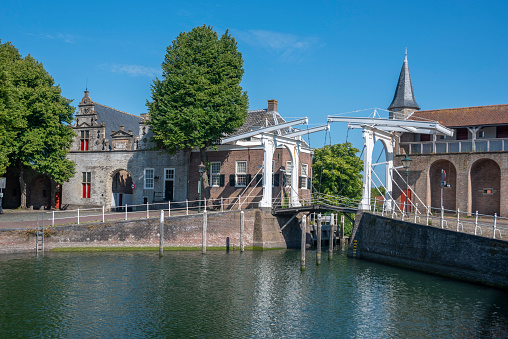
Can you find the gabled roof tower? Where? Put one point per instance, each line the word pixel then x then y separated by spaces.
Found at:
pixel 404 98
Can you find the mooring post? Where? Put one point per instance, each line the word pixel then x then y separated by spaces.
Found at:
pixel 242 227
pixel 303 242
pixel 475 222
pixel 204 231
pixel 161 234
pixel 331 237
pixel 318 252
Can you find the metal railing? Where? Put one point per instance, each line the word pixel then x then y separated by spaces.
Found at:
pixel 492 226
pixel 454 146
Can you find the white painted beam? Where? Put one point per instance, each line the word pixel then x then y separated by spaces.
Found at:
pixel 284 125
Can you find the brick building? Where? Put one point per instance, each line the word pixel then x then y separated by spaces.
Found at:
pixel 475 159
pixel 115 163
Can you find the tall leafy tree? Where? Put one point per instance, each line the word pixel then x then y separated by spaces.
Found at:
pixel 199 99
pixel 38 120
pixel 337 170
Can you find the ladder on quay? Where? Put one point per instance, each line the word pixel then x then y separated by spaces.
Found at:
pixel 39 235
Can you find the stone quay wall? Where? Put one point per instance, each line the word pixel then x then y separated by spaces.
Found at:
pixel 261 229
pixel 429 249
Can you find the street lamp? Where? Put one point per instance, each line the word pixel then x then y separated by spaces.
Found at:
pixel 201 169
pixel 406 162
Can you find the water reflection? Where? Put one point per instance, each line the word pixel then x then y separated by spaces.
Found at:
pixel 252 294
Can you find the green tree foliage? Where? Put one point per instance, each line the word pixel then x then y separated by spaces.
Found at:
pixel 337 170
pixel 36 118
pixel 199 98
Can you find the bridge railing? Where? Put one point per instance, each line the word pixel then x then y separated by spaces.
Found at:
pixel 492 226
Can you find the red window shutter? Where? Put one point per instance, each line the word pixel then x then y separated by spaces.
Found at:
pixel 86 145
pixel 88 190
pixel 82 145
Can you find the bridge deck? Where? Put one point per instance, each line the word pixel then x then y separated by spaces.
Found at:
pixel 314 208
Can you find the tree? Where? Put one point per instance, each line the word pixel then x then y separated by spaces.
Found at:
pixel 199 99
pixel 337 170
pixel 39 135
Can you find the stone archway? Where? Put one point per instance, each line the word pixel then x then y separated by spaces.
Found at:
pixel 121 188
pixel 449 193
pixel 39 192
pixel 485 192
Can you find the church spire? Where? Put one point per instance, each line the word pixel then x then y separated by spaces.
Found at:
pixel 404 98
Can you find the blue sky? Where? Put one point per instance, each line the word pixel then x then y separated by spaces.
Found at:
pixel 316 57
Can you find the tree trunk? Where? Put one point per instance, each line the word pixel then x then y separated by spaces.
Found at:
pixel 206 183
pixel 22 186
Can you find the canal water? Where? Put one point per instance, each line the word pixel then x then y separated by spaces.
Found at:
pixel 232 294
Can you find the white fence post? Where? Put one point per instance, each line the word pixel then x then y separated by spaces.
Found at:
pixel 205 203
pixel 495 221
pixel 221 204
pixel 78 216
pixel 475 222
pixel 187 206
pixel 427 218
pixel 125 211
pixel 416 211
pixel 458 218
pixel 442 216
pixel 53 218
pixel 169 209
pixel 102 213
pixel 147 212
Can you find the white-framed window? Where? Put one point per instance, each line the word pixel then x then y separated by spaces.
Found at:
pixel 149 178
pixel 289 169
pixel 241 174
pixel 169 174
pixel 305 175
pixel 215 174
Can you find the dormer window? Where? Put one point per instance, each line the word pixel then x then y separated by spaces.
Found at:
pixel 85 137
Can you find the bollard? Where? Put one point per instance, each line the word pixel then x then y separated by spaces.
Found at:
pixel 242 227
pixel 204 232
pixel 303 242
pixel 330 239
pixel 475 222
pixel 102 213
pixel 318 252
pixel 161 234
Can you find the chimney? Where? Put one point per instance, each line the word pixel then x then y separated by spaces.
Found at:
pixel 272 105
pixel 122 128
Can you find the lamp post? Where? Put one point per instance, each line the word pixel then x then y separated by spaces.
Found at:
pixel 406 162
pixel 201 169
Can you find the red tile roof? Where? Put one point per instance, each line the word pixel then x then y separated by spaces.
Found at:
pixel 466 116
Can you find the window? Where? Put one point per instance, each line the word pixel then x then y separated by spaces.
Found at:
pixel 303 178
pixel 148 178
pixel 462 134
pixel 241 173
pixel 86 183
pixel 169 174
pixel 215 174
pixel 481 134
pixel 289 169
pixel 85 136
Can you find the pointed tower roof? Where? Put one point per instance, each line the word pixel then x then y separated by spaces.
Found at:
pixel 404 96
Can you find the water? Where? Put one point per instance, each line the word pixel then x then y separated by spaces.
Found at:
pixel 252 294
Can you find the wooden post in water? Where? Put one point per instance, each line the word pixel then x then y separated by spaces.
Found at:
pixel 204 231
pixel 341 232
pixel 161 234
pixel 303 242
pixel 331 237
pixel 242 227
pixel 318 252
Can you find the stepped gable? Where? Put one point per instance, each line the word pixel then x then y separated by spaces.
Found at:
pixel 113 120
pixel 466 116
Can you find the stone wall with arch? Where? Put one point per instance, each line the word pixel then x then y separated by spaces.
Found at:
pixel 485 178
